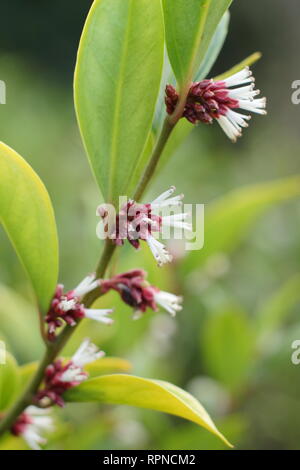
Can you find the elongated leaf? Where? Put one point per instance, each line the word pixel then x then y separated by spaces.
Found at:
pixel 144 393
pixel 214 48
pixel 26 214
pixel 9 380
pixel 107 365
pixel 117 82
pixel 190 26
pixel 230 217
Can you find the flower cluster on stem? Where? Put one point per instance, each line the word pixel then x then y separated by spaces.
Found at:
pixel 60 376
pixel 210 100
pixel 68 308
pixel 138 293
pixel 138 222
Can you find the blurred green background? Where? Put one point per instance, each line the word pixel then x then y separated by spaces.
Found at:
pixel 231 345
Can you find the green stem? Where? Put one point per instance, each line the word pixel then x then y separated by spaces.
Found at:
pixel 151 167
pixel 53 349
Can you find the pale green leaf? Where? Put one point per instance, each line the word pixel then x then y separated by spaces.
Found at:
pixel 214 48
pixel 190 26
pixel 152 394
pixel 117 81
pixel 27 216
pixel 9 381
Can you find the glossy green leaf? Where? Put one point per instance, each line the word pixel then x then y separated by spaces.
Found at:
pixel 190 26
pixel 117 81
pixel 214 48
pixel 9 381
pixel 152 394
pixel 27 216
pixel 227 342
pixel 229 218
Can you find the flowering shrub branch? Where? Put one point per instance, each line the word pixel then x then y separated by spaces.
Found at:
pixel 199 102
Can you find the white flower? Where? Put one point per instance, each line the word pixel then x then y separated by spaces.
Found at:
pixel 159 251
pixel 86 353
pixel 100 315
pixel 175 220
pixel 165 200
pixel 73 374
pixel 72 301
pixel 88 284
pixel 170 302
pixel 41 422
pixel 230 121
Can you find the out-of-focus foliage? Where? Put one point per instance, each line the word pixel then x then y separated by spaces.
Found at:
pixel 9 380
pixel 255 282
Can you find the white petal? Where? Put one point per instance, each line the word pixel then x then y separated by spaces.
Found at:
pixel 99 315
pixel 172 201
pixel 170 302
pixel 239 78
pixel 33 439
pixel 159 251
pixel 87 285
pixel 177 221
pixel 67 305
pixel 255 106
pixel 238 119
pixel 230 130
pixel 87 352
pixel 164 195
pixel 73 374
pixel 41 422
pixel 246 92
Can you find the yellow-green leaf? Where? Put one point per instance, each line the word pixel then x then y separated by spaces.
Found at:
pixel 107 365
pixel 9 380
pixel 27 216
pixel 145 393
